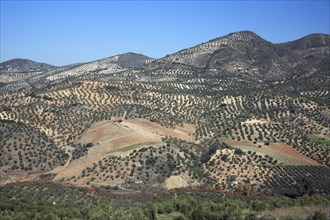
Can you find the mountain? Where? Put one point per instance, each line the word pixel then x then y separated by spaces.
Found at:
pixel 309 41
pixel 22 65
pixel 108 65
pixel 128 60
pixel 237 115
pixel 18 69
pixel 247 54
pixel 91 69
pixel 310 62
pixel 244 55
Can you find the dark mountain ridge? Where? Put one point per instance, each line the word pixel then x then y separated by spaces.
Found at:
pixel 309 41
pixel 247 54
pixel 19 73
pixel 129 60
pixel 22 65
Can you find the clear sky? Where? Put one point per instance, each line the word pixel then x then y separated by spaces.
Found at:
pixel 65 32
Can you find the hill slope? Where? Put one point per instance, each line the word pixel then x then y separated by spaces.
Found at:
pixel 246 53
pixel 17 69
pixel 243 55
pixel 226 115
pixel 91 69
pixel 22 65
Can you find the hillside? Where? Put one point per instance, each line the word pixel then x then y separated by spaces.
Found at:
pixel 301 65
pixel 18 80
pixel 233 115
pixel 17 69
pixel 246 55
pixel 21 66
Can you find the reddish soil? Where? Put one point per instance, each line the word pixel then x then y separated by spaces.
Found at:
pixel 280 151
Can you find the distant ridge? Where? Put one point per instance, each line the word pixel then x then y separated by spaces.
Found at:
pixel 22 65
pixel 242 54
pixel 309 41
pixel 246 54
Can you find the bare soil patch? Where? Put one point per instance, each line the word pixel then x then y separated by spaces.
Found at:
pixel 178 181
pixel 113 138
pixel 280 151
pixel 256 121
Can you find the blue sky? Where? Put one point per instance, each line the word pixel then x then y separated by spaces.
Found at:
pixel 65 32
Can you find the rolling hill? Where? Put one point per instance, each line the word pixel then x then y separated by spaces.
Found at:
pixel 237 114
pixel 36 75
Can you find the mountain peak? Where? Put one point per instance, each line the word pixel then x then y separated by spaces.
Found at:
pixel 130 59
pixel 199 55
pixel 309 41
pixel 243 36
pixel 245 32
pixel 23 65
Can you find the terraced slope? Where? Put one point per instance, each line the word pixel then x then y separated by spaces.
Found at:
pixel 292 66
pixel 168 125
pixel 245 54
pixel 301 65
pixel 25 150
pixel 39 76
pixel 22 66
pixel 149 116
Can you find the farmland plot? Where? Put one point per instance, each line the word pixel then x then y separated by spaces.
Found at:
pixel 280 151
